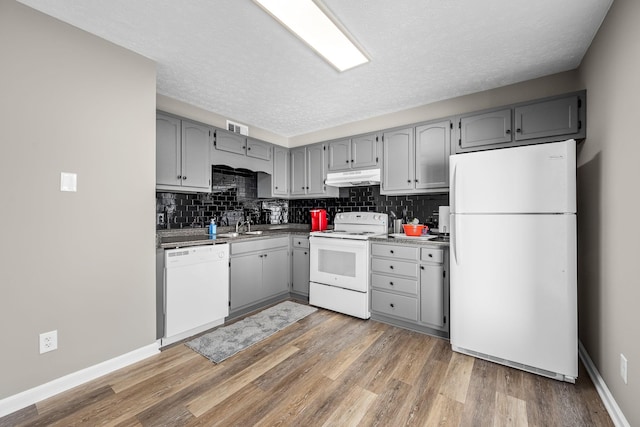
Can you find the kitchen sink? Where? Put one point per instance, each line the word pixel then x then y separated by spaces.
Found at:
pixel 228 235
pixel 258 232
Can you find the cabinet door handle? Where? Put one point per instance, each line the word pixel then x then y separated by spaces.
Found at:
pixel 179 176
pixel 305 253
pixel 518 130
pixel 391 283
pixel 391 250
pixel 416 180
pixel 391 305
pixel 408 180
pixel 265 255
pixel 422 267
pixel 249 148
pixel 430 255
pixel 508 131
pixel 391 267
pixel 346 161
pixel 351 160
pixel 260 256
pixel 184 177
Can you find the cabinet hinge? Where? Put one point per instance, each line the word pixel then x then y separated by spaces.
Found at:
pixel 376 139
pixel 444 274
pixel 445 320
pixel 579 124
pixel 460 124
pixel 324 148
pixel 229 303
pixel 450 125
pixel 579 103
pixel 229 263
pixel 376 160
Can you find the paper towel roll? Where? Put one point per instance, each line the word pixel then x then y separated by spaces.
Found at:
pixel 443 220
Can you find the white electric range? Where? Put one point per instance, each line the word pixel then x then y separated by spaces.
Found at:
pixel 339 263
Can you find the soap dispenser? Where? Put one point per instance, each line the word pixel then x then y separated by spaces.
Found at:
pixel 213 227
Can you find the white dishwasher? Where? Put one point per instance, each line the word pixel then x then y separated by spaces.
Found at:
pixel 196 281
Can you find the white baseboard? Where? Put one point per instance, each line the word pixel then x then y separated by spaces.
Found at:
pixel 44 391
pixel 610 404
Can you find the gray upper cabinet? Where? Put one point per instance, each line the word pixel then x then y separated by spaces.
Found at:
pixel 433 146
pixel 309 170
pixel 316 169
pixel 182 155
pixel 196 145
pixel 258 149
pixel 280 171
pixel 485 129
pixel 416 160
pixel 359 152
pixel 397 161
pixel 168 151
pixel 547 118
pixel 340 155
pixel 298 171
pixel 544 120
pixel 230 142
pixel 364 151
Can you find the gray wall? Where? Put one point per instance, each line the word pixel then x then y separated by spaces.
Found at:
pixel 608 178
pixel 82 263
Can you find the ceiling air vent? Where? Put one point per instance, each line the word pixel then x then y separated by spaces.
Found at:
pixel 238 128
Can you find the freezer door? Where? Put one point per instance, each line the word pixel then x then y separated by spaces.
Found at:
pixel 531 179
pixel 513 291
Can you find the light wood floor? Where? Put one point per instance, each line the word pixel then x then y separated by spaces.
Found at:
pixel 326 369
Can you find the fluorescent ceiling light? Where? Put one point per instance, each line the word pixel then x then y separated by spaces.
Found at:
pixel 306 20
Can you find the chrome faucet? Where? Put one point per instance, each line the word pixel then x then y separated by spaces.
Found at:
pixel 242 223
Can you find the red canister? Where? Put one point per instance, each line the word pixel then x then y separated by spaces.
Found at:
pixel 318 219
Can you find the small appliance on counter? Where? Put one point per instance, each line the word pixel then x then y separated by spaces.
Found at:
pixel 318 219
pixel 444 220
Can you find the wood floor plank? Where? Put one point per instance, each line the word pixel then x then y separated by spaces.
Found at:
pixel 445 412
pixel 384 410
pixel 509 411
pixel 458 377
pixel 346 371
pixel 480 401
pixel 354 406
pixel 208 400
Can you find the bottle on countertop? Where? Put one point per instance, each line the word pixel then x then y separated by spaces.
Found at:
pixel 213 227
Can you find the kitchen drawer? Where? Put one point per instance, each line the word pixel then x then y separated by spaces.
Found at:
pixel 257 244
pixel 390 251
pixel 394 266
pixel 395 305
pixel 432 255
pixel 391 283
pixel 300 242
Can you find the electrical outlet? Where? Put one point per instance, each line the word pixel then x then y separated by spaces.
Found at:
pixel 48 341
pixel 159 219
pixel 623 368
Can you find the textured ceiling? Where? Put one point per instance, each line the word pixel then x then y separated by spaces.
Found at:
pixel 231 58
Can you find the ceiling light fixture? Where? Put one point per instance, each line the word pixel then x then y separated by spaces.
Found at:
pixel 314 26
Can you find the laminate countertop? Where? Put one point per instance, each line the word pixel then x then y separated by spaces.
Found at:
pixel 178 238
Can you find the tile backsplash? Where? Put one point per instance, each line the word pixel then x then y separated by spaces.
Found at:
pixel 235 195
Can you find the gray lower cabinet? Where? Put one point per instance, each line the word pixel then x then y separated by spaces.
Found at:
pixel 409 286
pixel 182 155
pixel 300 265
pixel 256 271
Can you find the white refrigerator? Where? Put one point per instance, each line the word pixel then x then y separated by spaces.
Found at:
pixel 513 257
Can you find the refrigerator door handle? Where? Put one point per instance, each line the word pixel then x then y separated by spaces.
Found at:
pixel 454 176
pixel 454 236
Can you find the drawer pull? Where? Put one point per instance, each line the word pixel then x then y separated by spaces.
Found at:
pixel 391 305
pixel 422 267
pixel 430 255
pixel 391 283
pixel 391 251
pixel 391 267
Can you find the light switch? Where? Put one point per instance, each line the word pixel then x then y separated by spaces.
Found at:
pixel 68 181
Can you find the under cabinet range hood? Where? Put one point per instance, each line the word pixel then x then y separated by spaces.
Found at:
pixel 354 178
